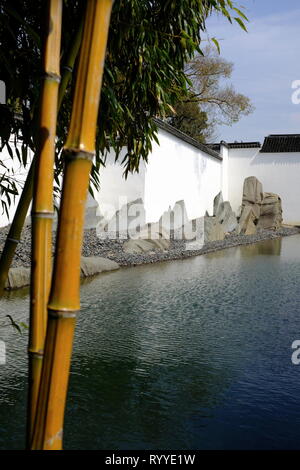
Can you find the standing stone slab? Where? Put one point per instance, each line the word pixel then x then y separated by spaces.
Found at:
pixel 213 230
pixel 194 234
pixel 190 230
pixel 227 217
pixel 252 191
pixel 92 214
pixel 253 195
pixel 130 217
pixel 218 201
pixel 204 230
pixel 175 218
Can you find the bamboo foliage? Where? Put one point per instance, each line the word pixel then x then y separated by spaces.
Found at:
pixel 64 300
pixel 67 67
pixel 42 207
pixel 14 234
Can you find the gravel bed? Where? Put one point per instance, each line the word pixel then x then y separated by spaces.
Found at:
pixel 113 248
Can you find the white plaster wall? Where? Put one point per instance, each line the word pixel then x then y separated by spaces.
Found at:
pixel 278 172
pixel 238 169
pixel 224 152
pixel 115 190
pixel 176 171
pixel 18 173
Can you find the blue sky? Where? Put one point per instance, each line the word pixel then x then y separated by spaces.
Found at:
pixel 266 62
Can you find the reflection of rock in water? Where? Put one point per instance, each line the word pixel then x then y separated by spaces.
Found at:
pixel 222 253
pixel 268 247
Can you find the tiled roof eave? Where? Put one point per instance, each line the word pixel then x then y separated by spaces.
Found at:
pixel 281 143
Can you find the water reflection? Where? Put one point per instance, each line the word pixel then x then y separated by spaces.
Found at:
pixel 180 355
pixel 263 248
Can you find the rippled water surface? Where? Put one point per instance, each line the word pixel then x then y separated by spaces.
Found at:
pixel 192 354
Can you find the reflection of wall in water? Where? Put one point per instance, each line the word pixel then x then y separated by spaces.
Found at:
pixel 268 247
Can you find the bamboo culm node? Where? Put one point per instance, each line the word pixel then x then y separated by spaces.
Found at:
pixel 42 207
pixel 64 300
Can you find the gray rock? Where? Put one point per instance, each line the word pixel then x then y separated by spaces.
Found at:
pixel 151 237
pixel 193 233
pixel 239 212
pixel 174 218
pixel 252 191
pixel 137 246
pixel 253 195
pixel 191 230
pixel 227 217
pixel 271 212
pixel 130 217
pixel 92 215
pixel 247 220
pixel 204 230
pixel 194 245
pixel 230 223
pixel 218 201
pixel 144 246
pixel 213 230
pixel 18 277
pixel 89 266
pixel 152 232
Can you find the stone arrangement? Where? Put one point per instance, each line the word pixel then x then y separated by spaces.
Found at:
pixel 150 238
pixel 258 211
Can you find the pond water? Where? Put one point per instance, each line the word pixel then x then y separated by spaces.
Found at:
pixel 192 354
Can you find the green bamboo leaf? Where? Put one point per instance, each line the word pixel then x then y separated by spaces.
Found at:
pixel 216 42
pixel 225 13
pixel 239 21
pixel 240 13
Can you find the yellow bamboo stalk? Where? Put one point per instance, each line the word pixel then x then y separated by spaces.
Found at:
pixel 42 206
pixel 64 301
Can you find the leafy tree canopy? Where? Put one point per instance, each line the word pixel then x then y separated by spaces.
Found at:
pixel 210 100
pixel 149 44
pixel 189 118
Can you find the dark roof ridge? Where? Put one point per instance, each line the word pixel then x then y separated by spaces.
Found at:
pixel 284 135
pixel 236 144
pixel 281 143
